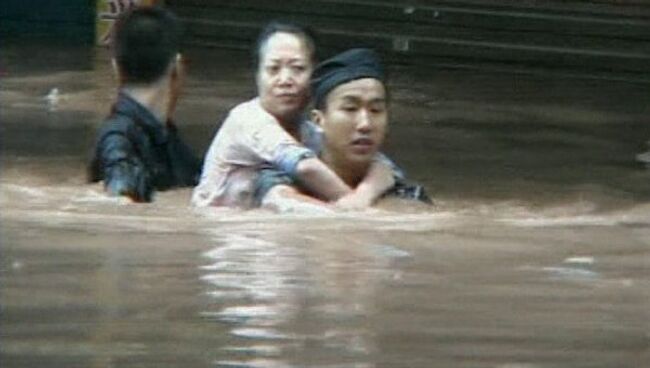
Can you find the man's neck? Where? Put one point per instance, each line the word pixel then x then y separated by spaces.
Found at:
pixel 154 97
pixel 351 173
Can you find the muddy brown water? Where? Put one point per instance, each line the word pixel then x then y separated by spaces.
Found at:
pixel 536 253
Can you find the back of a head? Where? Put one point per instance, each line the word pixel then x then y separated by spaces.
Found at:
pixel 145 42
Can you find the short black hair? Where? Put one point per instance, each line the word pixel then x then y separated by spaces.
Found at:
pixel 145 41
pixel 306 34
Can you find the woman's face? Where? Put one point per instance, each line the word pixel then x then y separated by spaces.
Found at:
pixel 283 76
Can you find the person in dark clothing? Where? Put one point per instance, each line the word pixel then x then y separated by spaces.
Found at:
pixel 138 149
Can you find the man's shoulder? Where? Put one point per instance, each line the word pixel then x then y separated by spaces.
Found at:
pixel 117 123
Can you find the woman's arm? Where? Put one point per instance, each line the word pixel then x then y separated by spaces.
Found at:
pixel 269 141
pixel 285 199
pixel 379 179
pixel 319 179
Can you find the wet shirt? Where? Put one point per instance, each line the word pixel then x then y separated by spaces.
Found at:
pixel 249 140
pixel 136 154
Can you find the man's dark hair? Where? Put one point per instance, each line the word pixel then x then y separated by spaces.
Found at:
pixel 145 41
pixel 277 26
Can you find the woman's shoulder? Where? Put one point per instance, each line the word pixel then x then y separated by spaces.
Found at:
pixel 249 113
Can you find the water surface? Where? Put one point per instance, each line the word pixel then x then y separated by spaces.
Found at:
pixel 536 253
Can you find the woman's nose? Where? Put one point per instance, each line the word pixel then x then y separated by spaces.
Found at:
pixel 285 76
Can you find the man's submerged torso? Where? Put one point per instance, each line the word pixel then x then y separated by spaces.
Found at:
pixel 138 154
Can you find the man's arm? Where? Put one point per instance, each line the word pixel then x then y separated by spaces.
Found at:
pixel 124 173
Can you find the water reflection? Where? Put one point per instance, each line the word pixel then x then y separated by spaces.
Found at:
pixel 260 291
pixel 296 295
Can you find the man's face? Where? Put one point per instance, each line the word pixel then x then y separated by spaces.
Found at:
pixel 283 76
pixel 354 121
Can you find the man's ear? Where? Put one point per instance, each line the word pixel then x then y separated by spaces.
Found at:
pixel 176 79
pixel 116 71
pixel 317 117
pixel 179 64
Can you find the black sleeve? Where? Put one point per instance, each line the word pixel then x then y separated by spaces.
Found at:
pixel 410 191
pixel 123 171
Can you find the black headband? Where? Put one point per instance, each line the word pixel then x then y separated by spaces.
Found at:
pixel 342 68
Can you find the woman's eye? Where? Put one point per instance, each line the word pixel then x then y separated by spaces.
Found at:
pixel 273 69
pixel 299 68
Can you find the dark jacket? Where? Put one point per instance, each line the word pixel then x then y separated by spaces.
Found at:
pixel 136 154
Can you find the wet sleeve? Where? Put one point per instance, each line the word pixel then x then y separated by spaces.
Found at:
pixel 124 172
pixel 276 146
pixel 409 191
pixel 266 180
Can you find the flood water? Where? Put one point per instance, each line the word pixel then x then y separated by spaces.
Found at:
pixel 536 253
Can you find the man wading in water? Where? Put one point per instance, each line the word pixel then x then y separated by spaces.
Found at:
pixel 138 149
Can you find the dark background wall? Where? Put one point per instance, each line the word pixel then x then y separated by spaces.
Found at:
pixel 65 21
pixel 607 38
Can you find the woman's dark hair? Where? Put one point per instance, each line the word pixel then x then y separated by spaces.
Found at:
pixel 145 41
pixel 278 26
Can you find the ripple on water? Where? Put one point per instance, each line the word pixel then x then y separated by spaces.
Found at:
pixel 253 363
pixel 260 334
pixel 255 350
pixel 257 315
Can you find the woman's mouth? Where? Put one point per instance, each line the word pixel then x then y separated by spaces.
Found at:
pixel 287 96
